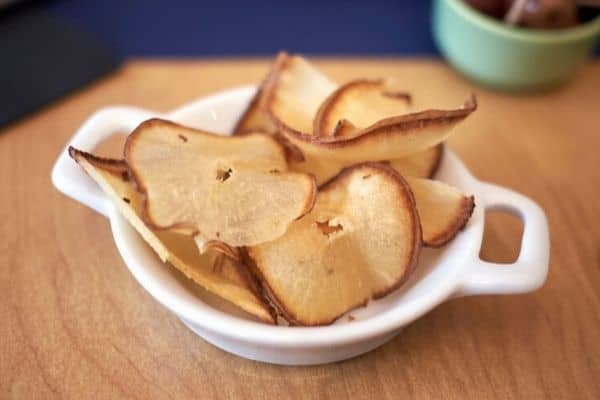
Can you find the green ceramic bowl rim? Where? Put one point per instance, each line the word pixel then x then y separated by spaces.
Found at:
pixel 583 31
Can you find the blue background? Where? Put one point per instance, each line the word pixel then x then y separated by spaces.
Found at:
pixel 248 28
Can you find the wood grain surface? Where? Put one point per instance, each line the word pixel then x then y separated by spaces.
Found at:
pixel 74 323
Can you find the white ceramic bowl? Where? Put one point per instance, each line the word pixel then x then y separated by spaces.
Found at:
pixel 452 271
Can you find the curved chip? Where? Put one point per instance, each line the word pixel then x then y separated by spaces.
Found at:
pixel 360 102
pixel 234 190
pixel 423 164
pixel 361 241
pixel 443 210
pixel 389 139
pixel 231 282
pixel 254 119
pixel 296 90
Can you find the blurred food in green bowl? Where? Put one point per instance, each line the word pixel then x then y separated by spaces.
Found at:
pixel 497 54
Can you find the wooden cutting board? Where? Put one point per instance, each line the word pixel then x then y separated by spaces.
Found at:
pixel 75 324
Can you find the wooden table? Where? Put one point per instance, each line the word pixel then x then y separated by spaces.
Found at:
pixel 75 324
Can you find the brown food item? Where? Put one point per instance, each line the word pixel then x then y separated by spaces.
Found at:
pixel 360 102
pixel 295 92
pixel 547 14
pixel 361 241
pixel 443 210
pixel 423 164
pixel 231 282
pixel 234 190
pixel 254 119
pixel 493 8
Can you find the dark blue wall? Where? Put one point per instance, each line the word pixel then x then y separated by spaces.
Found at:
pixel 261 27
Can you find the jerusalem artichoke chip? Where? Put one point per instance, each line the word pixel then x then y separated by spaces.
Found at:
pixel 423 164
pixel 420 165
pixel 295 92
pixel 234 190
pixel 230 282
pixel 254 119
pixel 361 241
pixel 443 210
pixel 360 102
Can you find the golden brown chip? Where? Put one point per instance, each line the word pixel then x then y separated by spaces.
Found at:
pixel 361 241
pixel 388 139
pixel 423 164
pixel 254 119
pixel 234 190
pixel 359 103
pixel 443 210
pixel 295 92
pixel 231 282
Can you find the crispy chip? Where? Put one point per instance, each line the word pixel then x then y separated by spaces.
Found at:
pixel 443 210
pixel 423 164
pixel 231 283
pixel 234 190
pixel 360 102
pixel 361 241
pixel 295 92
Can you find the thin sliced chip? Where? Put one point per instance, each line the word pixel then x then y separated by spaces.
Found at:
pixel 388 139
pixel 423 164
pixel 360 102
pixel 322 169
pixel 254 119
pixel 234 270
pixel 230 283
pixel 234 190
pixel 360 242
pixel 217 245
pixel 295 92
pixel 443 210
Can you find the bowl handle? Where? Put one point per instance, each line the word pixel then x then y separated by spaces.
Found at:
pixel 529 272
pixel 68 177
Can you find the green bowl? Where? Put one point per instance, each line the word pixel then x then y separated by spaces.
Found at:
pixel 507 57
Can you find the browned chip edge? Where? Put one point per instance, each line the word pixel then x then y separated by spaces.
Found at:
pixel 251 282
pixel 292 153
pixel 466 209
pixel 253 106
pixel 139 183
pixel 398 125
pixel 404 191
pixel 114 166
pixel 330 102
